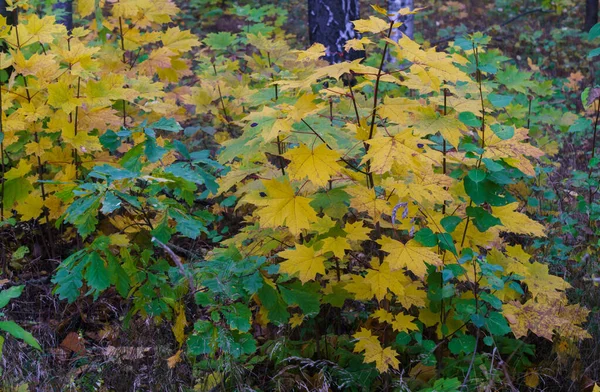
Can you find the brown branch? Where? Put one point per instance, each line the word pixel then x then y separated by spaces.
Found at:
pixel 177 260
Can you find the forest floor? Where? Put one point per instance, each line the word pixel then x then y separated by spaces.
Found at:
pixel 90 348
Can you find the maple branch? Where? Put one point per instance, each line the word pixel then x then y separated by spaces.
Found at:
pixel 354 104
pixel 329 147
pixel 479 82
pixel 375 99
pixel 444 146
pixel 505 23
pixel 75 154
pixel 177 260
pixel 280 151
pixel 464 383
pixel 1 158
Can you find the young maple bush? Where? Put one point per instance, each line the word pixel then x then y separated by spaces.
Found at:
pixel 379 218
pixel 85 119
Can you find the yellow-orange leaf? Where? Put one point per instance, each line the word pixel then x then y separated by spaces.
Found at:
pixel 318 164
pixel 336 245
pixel 356 231
pixel 410 255
pixel 404 323
pixel 282 207
pixel 382 279
pixel 516 222
pixel 372 25
pixel 304 260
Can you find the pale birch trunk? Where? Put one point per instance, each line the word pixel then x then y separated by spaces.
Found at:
pixel 407 27
pixel 330 23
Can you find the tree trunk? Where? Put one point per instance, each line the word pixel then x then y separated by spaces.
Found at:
pixel 329 23
pixel 64 13
pixel 10 16
pixel 3 10
pixel 591 14
pixel 407 27
pixel 408 22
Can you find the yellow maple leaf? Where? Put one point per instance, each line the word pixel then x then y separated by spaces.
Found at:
pixel 55 206
pixel 296 320
pixel 179 325
pixel 35 29
pixel 31 207
pixel 82 141
pixel 61 96
pixel 304 106
pixel 428 121
pixel 179 41
pixel 315 52
pixel 21 170
pixel 6 60
pixel 516 222
pixel 4 27
pixel 43 29
pixel 119 239
pixel 402 149
pixel 544 319
pixel 410 255
pixel 304 260
pixel 38 148
pixel 356 231
pixel 365 340
pixel 414 295
pixel 157 59
pixel 78 54
pixel 397 109
pixel 357 44
pixel 371 25
pixel 383 358
pixel 539 281
pixel 514 151
pixel 337 245
pixel 360 288
pixel 318 164
pixel 174 359
pixel 430 66
pixel 383 316
pixel 85 7
pixel 270 122
pixel 382 279
pixel 34 64
pixel 283 207
pixel 379 10
pixel 366 200
pixel 404 323
pixel 323 224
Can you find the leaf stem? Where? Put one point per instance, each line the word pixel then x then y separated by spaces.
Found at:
pixel 370 182
pixel 329 147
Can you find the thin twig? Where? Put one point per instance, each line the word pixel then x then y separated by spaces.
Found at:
pixel 464 383
pixel 177 260
pixel 505 23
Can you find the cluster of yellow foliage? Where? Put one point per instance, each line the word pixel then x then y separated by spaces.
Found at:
pixel 66 89
pixel 359 168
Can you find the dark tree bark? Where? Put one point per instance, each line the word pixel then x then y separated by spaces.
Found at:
pixel 3 10
pixel 329 23
pixel 64 9
pixel 10 16
pixel 408 22
pixel 591 14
